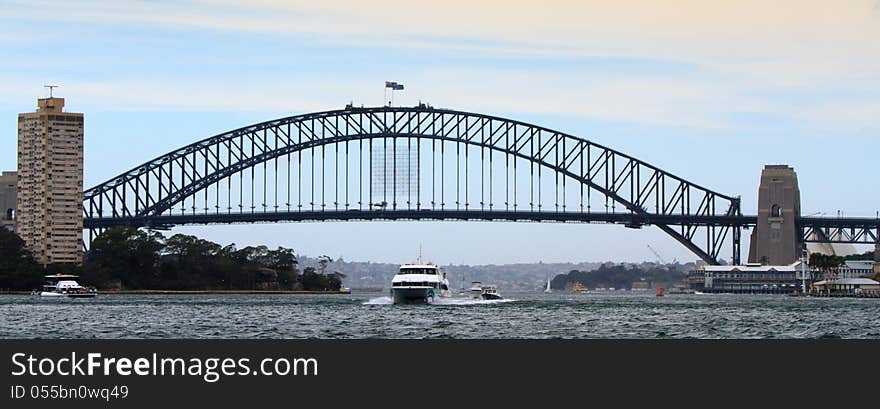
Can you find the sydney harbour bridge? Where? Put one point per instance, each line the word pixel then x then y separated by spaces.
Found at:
pixel 425 163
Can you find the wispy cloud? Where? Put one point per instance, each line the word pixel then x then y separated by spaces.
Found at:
pixel 787 42
pixel 749 54
pixel 682 27
pixel 702 104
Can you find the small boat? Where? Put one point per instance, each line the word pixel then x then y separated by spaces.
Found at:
pixel 489 292
pixel 64 285
pixel 419 283
pixel 580 288
pixel 548 290
pixel 680 291
pixel 660 291
pixel 476 289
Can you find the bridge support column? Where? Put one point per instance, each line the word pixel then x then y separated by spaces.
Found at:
pixel 737 235
pixel 776 239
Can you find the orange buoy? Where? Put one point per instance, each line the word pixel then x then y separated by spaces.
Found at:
pixel 660 292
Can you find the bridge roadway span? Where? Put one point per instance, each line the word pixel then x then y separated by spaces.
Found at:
pixel 628 219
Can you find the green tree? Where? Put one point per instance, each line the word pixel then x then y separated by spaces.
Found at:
pixel 825 262
pixel 124 257
pixel 18 269
pixel 323 262
pixel 129 258
pixel 868 255
pixel 314 281
pixel 284 262
pixel 189 262
pixel 618 276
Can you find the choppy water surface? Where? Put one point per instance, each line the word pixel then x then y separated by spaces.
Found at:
pixel 370 315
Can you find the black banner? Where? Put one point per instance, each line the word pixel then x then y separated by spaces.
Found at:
pixel 333 373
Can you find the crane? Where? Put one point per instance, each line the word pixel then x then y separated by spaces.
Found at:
pixel 656 254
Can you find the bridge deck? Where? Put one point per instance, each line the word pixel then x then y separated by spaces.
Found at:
pixel 843 230
pixel 631 219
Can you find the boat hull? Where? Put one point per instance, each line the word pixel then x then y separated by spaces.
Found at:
pixel 52 294
pixel 82 295
pixel 491 297
pixel 414 295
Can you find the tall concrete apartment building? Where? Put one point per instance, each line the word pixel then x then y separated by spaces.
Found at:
pixel 8 182
pixel 48 214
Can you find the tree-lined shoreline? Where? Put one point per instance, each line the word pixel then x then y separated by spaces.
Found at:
pixel 129 259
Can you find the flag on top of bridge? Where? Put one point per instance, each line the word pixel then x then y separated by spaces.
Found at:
pixel 393 85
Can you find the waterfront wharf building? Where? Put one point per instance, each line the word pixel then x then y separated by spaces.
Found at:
pixel 752 278
pixel 856 269
pixel 8 182
pixel 877 258
pixel 48 215
pixel 850 269
pixel 847 287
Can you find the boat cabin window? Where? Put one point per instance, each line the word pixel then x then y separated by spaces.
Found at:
pixel 418 271
pixel 416 284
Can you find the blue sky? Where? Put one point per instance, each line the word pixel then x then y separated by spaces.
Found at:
pixel 709 92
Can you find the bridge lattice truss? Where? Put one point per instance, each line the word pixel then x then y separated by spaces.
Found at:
pixel 853 230
pixel 410 163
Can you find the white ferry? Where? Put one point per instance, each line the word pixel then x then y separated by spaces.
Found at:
pixel 64 285
pixel 419 283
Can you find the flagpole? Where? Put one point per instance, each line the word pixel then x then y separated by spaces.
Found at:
pixel 394 87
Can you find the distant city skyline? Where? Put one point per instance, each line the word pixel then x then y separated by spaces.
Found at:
pixel 709 92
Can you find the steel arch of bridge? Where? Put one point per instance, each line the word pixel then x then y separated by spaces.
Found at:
pixel 699 218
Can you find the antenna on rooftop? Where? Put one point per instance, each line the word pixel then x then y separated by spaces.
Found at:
pixel 51 87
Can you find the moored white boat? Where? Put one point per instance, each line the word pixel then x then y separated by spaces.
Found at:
pixel 64 285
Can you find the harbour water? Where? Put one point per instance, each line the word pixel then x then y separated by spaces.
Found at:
pixel 371 315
